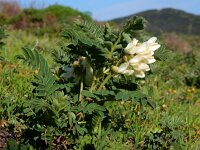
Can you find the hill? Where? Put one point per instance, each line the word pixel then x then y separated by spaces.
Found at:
pixel 46 20
pixel 168 20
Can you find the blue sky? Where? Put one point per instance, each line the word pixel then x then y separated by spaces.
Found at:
pixel 108 9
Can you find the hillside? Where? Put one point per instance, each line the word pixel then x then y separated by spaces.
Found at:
pixel 168 20
pixel 41 21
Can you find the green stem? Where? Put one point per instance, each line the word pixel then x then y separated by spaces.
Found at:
pixel 114 46
pixel 92 87
pixel 104 82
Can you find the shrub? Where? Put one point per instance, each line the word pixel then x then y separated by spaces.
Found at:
pixel 74 100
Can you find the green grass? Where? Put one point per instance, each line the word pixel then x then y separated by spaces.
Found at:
pixel 176 115
pixel 18 39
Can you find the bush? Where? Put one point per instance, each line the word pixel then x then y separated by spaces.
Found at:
pixel 47 20
pixel 75 99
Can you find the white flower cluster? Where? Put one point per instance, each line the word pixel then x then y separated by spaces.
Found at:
pixel 137 58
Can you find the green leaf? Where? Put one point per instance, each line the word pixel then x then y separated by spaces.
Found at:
pixel 143 102
pixel 122 96
pixel 92 28
pixel 27 52
pixel 36 62
pixel 151 103
pixel 127 37
pixel 53 88
pixel 76 98
pixel 87 40
pixel 88 94
pixel 125 96
pixel 81 130
pixel 119 96
pixel 28 112
pixel 72 118
pixel 104 92
pixel 162 54
pixel 94 106
pixel 14 145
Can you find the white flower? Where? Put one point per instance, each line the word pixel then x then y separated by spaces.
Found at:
pixel 129 49
pixel 145 48
pixel 149 59
pixel 140 74
pixel 141 67
pixel 152 40
pixel 138 57
pixel 128 72
pixel 123 67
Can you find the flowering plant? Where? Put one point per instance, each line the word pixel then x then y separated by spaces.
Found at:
pixel 95 66
pixel 137 57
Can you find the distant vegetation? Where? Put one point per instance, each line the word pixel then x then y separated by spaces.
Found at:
pixel 168 20
pixel 47 20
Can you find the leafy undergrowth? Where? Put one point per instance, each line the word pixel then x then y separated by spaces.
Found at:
pixel 51 101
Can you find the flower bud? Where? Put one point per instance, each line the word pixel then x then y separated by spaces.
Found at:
pixel 82 58
pixel 125 58
pixel 88 76
pixel 114 69
pixel 75 63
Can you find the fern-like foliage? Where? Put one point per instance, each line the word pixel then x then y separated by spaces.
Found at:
pixel 60 57
pixel 134 24
pixel 162 54
pixel 87 40
pixel 85 33
pixel 32 58
pixel 96 123
pixel 45 85
pixel 91 28
pixel 44 82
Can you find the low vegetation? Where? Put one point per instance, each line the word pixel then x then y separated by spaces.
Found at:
pixel 82 88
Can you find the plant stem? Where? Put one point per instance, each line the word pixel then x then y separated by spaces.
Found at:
pixel 81 89
pixel 114 46
pixel 104 82
pixel 92 86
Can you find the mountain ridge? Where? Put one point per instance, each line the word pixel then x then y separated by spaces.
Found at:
pixel 168 20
